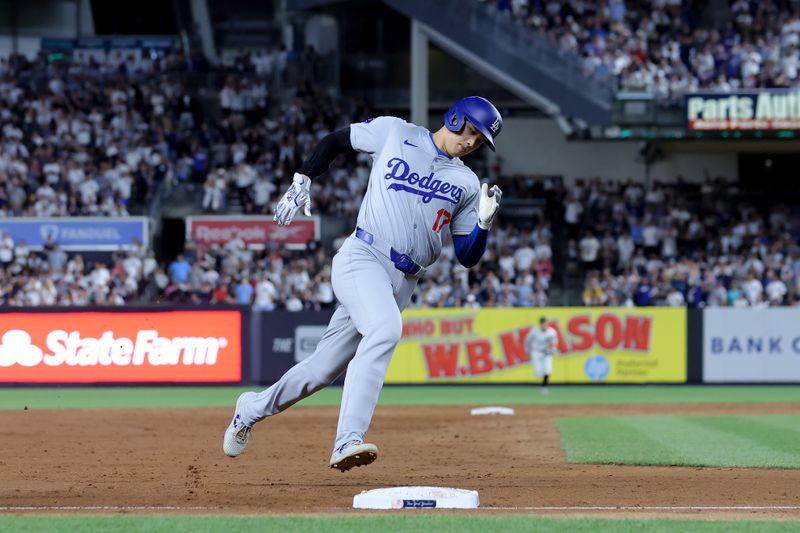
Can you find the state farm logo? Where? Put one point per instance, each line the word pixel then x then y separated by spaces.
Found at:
pixel 72 349
pixel 17 348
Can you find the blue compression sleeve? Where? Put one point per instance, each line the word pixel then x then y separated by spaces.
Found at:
pixel 470 248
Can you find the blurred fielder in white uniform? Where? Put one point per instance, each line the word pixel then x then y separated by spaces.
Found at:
pixel 418 190
pixel 540 345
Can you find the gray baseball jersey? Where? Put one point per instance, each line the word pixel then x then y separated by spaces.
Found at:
pixel 414 189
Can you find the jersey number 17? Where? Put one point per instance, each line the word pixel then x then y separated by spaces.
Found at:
pixel 443 217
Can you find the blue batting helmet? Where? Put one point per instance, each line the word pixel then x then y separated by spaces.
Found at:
pixel 480 112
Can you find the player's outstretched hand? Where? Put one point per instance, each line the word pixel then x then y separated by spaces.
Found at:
pixel 489 205
pixel 299 193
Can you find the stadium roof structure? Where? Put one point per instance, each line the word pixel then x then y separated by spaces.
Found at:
pixel 516 58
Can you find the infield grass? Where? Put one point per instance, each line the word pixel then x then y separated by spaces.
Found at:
pixel 350 524
pixel 766 441
pixel 172 397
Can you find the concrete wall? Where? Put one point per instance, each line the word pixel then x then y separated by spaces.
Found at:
pixel 538 146
pixel 23 44
pixel 64 19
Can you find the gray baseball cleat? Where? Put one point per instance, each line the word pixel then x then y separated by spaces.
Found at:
pixel 353 453
pixel 238 433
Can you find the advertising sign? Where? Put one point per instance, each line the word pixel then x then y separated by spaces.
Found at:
pixel 77 233
pixel 110 43
pixel 286 339
pixel 254 230
pixel 757 110
pixel 611 345
pixel 751 345
pixel 99 347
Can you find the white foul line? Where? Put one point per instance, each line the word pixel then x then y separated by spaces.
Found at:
pixel 19 508
pixel 103 508
pixel 649 508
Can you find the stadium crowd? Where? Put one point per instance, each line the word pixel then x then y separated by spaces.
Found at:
pixel 95 135
pixel 88 144
pixel 78 143
pixel 669 246
pixel 670 47
pixel 664 246
pixel 515 272
pixel 260 146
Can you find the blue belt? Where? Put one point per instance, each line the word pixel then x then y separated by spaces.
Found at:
pixel 402 262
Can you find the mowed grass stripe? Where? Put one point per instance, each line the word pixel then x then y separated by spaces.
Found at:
pixel 707 440
pixel 779 433
pixel 720 441
pixel 391 521
pixel 766 441
pixel 200 397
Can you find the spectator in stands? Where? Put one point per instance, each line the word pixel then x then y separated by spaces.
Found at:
pixel 675 298
pixel 265 294
pixel 753 289
pixel 573 211
pixel 662 47
pixel 472 302
pixel 324 289
pixel 524 256
pixel 645 292
pixel 593 294
pixel 589 250
pixel 6 248
pixel 625 249
pixel 214 190
pixel 57 258
pixel 244 291
pixel 179 270
pixel 775 288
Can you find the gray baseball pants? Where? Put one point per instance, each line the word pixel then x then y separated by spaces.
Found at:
pixel 361 338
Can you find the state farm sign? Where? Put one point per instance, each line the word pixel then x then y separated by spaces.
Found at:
pixel 255 231
pixel 97 347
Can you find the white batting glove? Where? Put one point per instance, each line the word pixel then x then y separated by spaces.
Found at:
pixel 299 193
pixel 489 205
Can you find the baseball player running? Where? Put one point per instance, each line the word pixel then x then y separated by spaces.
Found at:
pixel 540 344
pixel 418 186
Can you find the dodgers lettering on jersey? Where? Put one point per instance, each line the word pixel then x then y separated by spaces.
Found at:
pixel 425 186
pixel 414 192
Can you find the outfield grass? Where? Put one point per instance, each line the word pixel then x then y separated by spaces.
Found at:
pixel 425 521
pixel 767 441
pixel 153 397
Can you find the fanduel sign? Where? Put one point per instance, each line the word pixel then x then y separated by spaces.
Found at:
pixel 761 110
pixel 89 233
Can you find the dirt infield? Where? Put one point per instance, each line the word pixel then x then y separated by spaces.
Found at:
pixel 161 460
